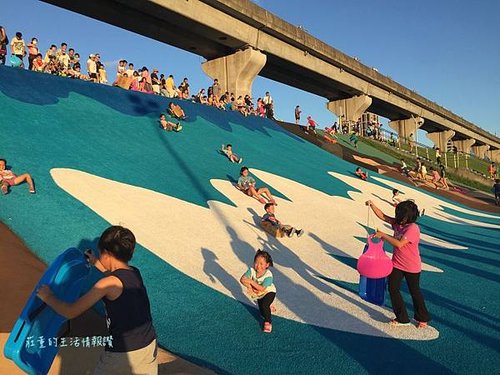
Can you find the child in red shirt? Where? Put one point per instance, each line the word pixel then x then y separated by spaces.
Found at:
pixel 311 124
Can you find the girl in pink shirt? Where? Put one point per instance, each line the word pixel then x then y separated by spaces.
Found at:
pixel 406 262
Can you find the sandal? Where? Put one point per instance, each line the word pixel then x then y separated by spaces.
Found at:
pixel 268 327
pixel 422 324
pixel 395 323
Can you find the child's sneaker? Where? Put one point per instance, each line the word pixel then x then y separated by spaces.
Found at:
pixel 290 232
pixel 268 327
pixel 299 232
pixel 240 161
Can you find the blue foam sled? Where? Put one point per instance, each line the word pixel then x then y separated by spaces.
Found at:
pixel 15 61
pixel 65 276
pixel 372 290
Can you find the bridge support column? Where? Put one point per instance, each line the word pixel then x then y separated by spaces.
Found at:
pixel 440 139
pixel 494 155
pixel 236 72
pixel 349 110
pixel 406 127
pixel 480 151
pixel 464 145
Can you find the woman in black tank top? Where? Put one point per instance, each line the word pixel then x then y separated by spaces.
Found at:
pixel 133 345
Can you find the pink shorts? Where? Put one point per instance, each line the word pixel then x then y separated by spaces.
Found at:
pixel 9 181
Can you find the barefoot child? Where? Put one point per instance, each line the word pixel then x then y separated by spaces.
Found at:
pixel 246 184
pixel 128 311
pixel 406 261
pixel 273 226
pixel 228 151
pixel 259 283
pixel 169 126
pixel 8 178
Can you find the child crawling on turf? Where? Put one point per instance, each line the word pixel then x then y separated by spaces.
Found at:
pixel 361 174
pixel 8 178
pixel 406 261
pixel 246 184
pixel 273 226
pixel 260 286
pixel 133 349
pixel 169 126
pixel 228 151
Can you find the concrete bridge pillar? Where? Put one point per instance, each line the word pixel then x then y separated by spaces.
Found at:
pixel 406 127
pixel 480 151
pixel 350 109
pixel 440 139
pixel 236 72
pixel 464 145
pixel 494 155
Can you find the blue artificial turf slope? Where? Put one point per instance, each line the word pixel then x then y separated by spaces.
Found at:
pixel 48 122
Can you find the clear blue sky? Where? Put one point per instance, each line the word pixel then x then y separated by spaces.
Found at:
pixel 446 50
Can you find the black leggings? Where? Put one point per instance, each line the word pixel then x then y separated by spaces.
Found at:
pixel 265 306
pixel 398 305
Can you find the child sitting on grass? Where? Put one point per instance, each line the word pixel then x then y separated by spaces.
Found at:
pixel 228 151
pixel 361 174
pixel 169 126
pixel 274 227
pixel 122 290
pixel 8 178
pixel 260 286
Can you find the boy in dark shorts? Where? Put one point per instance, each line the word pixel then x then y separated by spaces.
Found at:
pixel 122 290
pixel 274 227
